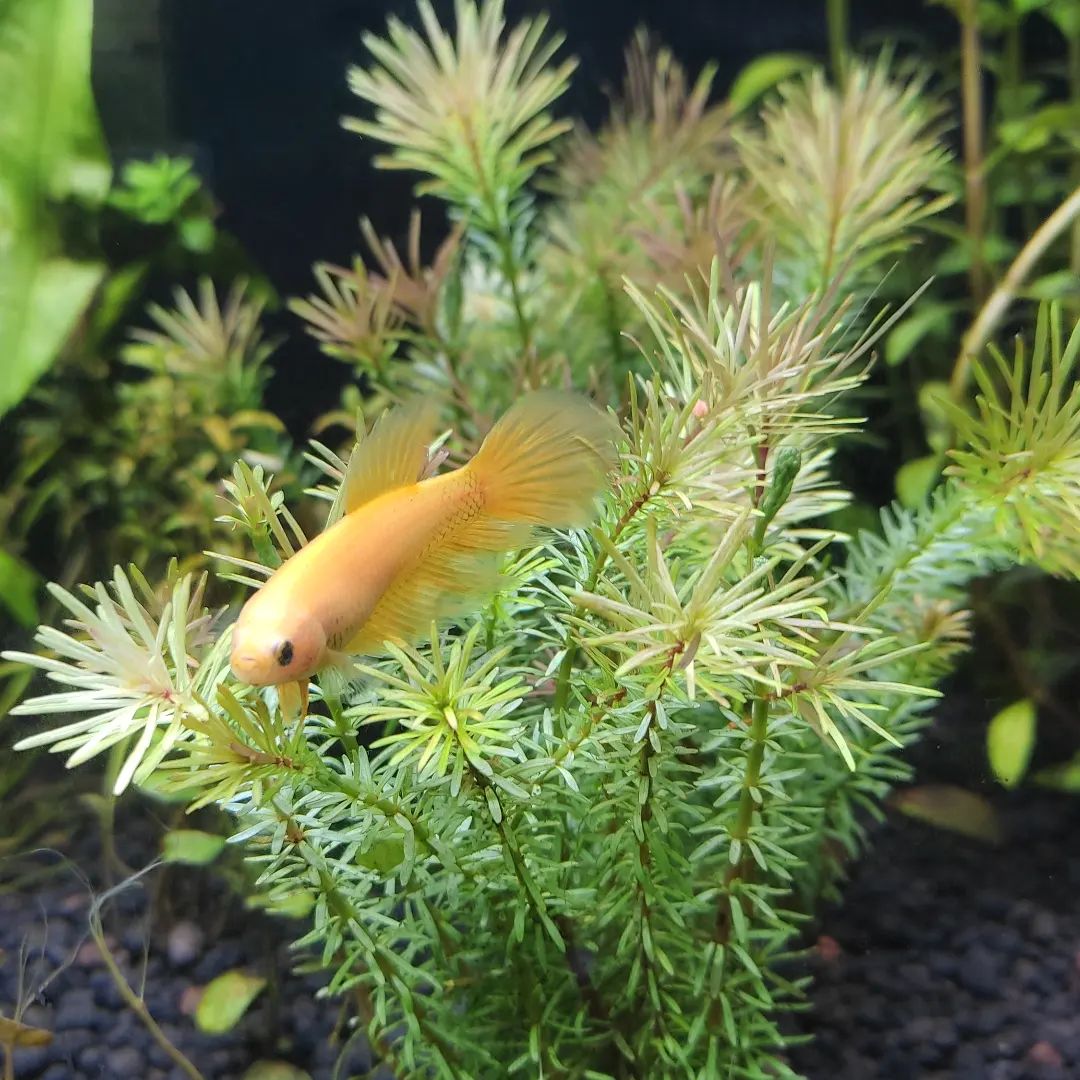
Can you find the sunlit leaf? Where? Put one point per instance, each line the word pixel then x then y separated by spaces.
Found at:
pixel 226 999
pixel 1010 739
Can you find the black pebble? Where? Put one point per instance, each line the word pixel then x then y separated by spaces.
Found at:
pixel 124 1063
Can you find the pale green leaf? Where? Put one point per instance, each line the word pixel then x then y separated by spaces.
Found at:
pixel 1064 777
pixel 952 808
pixel 928 320
pixel 19 585
pixel 191 846
pixel 1010 740
pixel 52 151
pixel 275 1070
pixel 762 74
pixel 226 999
pixel 914 479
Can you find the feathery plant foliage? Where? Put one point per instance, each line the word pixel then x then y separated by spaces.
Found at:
pixel 127 461
pixel 577 833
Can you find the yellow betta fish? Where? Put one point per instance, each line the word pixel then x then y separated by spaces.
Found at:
pixel 407 551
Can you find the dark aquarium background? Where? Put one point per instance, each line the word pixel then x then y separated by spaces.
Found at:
pixel 253 89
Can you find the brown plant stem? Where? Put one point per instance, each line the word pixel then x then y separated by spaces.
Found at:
pixel 974 151
pixel 997 303
pixel 1074 97
pixel 836 16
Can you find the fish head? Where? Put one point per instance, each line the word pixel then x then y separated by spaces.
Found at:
pixel 270 651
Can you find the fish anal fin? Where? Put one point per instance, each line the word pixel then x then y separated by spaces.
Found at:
pixel 391 455
pixel 293 699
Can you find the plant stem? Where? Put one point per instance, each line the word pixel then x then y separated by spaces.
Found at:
pixel 504 243
pixel 748 802
pixel 998 302
pixel 974 177
pixel 136 1003
pixel 836 15
pixel 562 681
pixel 1074 98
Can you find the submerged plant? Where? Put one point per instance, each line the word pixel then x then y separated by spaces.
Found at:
pixel 576 830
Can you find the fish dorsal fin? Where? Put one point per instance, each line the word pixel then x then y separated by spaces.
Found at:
pixel 390 456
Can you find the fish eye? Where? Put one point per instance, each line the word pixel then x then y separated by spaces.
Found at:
pixel 285 653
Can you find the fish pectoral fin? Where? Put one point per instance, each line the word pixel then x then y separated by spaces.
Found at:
pixel 445 584
pixel 293 699
pixel 391 455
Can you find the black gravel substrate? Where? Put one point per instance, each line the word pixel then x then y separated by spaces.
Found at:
pixel 947 959
pixel 200 930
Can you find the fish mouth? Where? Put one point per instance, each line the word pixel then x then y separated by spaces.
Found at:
pixel 245 667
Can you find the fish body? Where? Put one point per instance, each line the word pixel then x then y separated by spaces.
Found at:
pixel 406 551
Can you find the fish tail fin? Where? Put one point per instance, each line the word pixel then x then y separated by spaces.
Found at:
pixel 546 461
pixel 543 463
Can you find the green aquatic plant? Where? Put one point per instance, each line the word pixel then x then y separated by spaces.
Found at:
pixel 578 832
pixel 123 458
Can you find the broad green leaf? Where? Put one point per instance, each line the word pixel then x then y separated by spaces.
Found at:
pixel 1056 285
pixel 1066 15
pixel 19 585
pixel 914 479
pixel 956 259
pixel 294 905
pixel 225 1000
pixel 1064 777
pixel 275 1070
pixel 12 1033
pixel 384 856
pixel 933 320
pixel 1035 130
pixel 51 152
pixel 1010 739
pixel 951 808
pixel 935 405
pixel 191 846
pixel 763 74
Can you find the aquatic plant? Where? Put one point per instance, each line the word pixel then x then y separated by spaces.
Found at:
pixel 578 832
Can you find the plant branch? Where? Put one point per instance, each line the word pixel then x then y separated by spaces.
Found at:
pixel 136 1003
pixel 997 303
pixel 504 242
pixel 974 163
pixel 836 14
pixel 562 682
pixel 749 800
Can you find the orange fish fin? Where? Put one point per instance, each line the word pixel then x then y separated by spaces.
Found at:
pixel 546 460
pixel 448 581
pixel 391 455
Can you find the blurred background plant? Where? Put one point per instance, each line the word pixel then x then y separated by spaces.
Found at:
pixel 596 815
pixel 115 442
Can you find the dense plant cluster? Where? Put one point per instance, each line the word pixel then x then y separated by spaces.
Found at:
pixel 577 834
